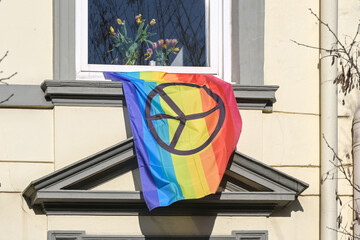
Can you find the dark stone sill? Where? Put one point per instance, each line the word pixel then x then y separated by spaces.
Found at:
pixel 106 93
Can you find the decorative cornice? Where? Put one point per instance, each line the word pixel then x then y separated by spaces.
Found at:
pixel 132 203
pixel 241 161
pixel 80 235
pixel 261 189
pixel 255 97
pixel 107 93
pixel 83 93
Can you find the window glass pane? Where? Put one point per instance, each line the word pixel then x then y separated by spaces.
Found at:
pixel 118 34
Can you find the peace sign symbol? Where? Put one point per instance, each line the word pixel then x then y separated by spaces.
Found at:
pixel 181 117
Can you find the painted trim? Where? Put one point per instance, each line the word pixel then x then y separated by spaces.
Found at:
pixel 241 160
pixel 225 204
pixel 248 19
pixel 64 39
pixel 256 235
pixel 256 189
pixel 106 93
pixel 81 235
pixel 255 97
pixel 83 93
pixel 23 96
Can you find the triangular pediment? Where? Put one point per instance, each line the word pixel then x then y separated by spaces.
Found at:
pixel 108 183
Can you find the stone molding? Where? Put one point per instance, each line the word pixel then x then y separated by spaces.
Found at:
pixel 106 93
pixel 81 235
pixel 255 190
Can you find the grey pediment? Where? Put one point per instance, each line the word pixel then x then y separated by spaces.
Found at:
pixel 249 187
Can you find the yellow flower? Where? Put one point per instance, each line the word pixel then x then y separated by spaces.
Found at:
pixel 120 22
pixel 138 18
pixel 164 46
pixel 112 30
pixel 175 49
pixel 152 22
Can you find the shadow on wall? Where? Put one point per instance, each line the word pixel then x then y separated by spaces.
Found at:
pixel 194 225
pixel 286 212
pixel 172 225
pixel 177 225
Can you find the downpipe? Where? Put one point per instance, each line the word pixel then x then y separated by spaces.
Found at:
pixel 328 123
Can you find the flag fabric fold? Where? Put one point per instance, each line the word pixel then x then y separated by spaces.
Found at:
pixel 185 128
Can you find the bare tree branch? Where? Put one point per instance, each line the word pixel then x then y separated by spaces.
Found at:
pixel 341 167
pixel 7 99
pixel 4 55
pixel 348 55
pixel 309 46
pixel 7 78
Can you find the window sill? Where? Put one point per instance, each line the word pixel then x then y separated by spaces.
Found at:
pixel 105 93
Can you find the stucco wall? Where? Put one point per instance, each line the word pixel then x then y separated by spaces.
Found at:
pixel 349 13
pixel 26 153
pixel 26 32
pixel 288 138
pixel 35 142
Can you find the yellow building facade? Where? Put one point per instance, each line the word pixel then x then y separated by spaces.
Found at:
pixel 47 126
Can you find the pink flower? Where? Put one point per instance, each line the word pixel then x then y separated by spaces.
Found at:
pixel 161 42
pixel 149 51
pixel 155 46
pixel 174 42
pixel 168 42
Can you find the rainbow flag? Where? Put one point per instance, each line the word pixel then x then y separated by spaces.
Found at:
pixel 185 128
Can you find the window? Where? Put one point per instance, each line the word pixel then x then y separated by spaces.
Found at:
pixel 194 25
pixel 151 32
pixel 229 29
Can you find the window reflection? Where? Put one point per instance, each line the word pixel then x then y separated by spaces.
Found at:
pixel 171 32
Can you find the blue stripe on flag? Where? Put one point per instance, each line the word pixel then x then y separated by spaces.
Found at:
pixel 174 192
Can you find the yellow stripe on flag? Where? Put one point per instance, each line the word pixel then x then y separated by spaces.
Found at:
pixel 195 133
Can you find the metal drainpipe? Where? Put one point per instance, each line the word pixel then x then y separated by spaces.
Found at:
pixel 356 157
pixel 328 123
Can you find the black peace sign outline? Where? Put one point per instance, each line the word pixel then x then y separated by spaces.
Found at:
pixel 182 117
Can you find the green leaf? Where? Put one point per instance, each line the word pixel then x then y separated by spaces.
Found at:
pixel 125 30
pixel 146 28
pixel 139 32
pixel 133 47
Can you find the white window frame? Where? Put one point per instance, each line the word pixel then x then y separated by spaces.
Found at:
pixel 219 52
